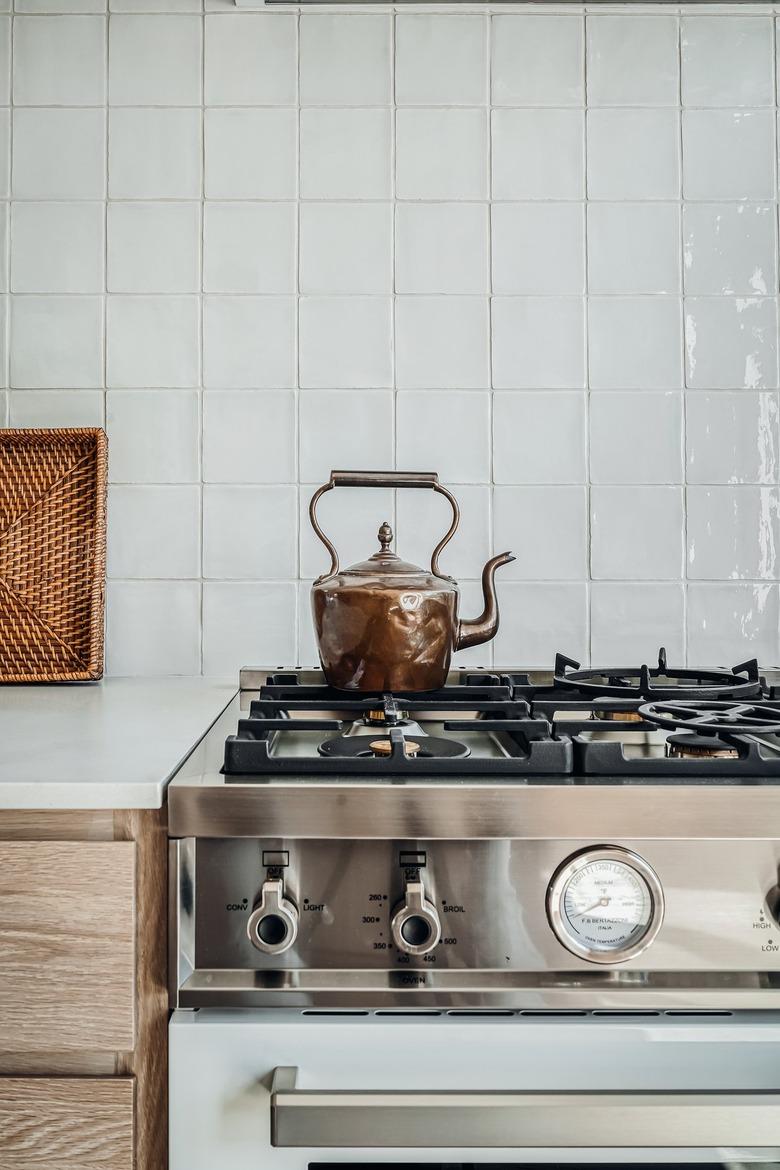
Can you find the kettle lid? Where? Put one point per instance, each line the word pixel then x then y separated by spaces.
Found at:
pixel 384 560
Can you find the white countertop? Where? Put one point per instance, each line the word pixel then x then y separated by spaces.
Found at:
pixel 113 744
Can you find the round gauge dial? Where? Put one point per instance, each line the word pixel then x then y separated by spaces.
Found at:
pixel 605 905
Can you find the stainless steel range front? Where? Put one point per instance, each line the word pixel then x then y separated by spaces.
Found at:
pixel 509 854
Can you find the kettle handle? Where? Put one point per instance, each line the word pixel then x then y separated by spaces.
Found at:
pixel 391 479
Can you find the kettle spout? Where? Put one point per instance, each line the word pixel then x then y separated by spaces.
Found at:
pixel 483 628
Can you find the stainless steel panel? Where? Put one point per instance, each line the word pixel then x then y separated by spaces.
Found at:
pixel 424 1119
pixel 207 806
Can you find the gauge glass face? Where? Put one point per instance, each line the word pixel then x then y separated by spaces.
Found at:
pixel 606 906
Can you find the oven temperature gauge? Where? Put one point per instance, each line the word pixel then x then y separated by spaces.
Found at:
pixel 605 905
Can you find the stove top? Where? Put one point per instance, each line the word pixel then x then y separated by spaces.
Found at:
pixel 577 725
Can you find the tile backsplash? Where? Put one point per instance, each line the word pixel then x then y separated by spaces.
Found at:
pixel 534 250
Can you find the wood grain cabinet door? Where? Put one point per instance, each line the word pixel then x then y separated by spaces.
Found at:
pixel 66 1123
pixel 67 948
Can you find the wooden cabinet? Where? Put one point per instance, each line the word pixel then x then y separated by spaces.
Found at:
pixel 83 997
pixel 67 945
pixel 66 1123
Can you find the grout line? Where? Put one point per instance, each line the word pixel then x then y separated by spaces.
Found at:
pixel 586 315
pixel 201 336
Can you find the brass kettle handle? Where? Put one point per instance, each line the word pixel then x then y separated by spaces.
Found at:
pixel 391 479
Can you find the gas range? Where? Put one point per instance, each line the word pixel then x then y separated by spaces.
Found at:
pixel 645 722
pixel 579 840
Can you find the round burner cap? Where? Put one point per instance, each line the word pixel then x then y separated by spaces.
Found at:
pixel 689 745
pixel 384 747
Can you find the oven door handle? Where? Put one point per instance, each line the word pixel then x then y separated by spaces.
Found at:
pixel 486 1119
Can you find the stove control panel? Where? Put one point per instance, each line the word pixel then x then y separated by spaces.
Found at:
pixel 273 924
pixel 415 924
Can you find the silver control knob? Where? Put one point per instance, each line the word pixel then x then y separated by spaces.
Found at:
pixel 273 924
pixel 415 925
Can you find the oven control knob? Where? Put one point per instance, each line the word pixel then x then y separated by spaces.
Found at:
pixel 415 925
pixel 273 924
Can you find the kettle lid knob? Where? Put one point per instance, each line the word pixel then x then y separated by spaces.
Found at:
pixel 385 536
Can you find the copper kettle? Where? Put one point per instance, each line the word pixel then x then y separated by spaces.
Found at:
pixel 385 624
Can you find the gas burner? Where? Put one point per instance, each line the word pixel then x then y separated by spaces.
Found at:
pixel 388 715
pixel 361 747
pixel 610 712
pixel 714 718
pixel 687 745
pixel 661 682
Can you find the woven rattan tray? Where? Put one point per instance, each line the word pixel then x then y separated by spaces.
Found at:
pixel 52 554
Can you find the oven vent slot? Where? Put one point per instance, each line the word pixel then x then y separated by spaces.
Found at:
pixel 694 1013
pixel 554 1012
pixel 624 1013
pixel 332 1012
pixel 481 1012
pixel 403 1012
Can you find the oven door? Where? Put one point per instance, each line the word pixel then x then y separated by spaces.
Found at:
pixel 286 1090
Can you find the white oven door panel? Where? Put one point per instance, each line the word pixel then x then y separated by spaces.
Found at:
pixel 603 1087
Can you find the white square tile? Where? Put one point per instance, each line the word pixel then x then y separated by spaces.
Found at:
pixel 728 154
pixel 327 443
pixel 633 154
pixel 424 517
pixel 538 343
pixel 154 436
pixel 59 154
pixel 249 436
pixel 5 246
pixel 251 59
pixel 345 154
pixel 249 247
pixel 450 432
pixel 250 533
pixel 59 61
pixel 345 59
pixel 442 343
pixel 249 342
pixel 732 438
pixel 628 624
pixel 635 343
pixel 345 342
pixel 632 60
pixel 5 60
pixel 441 154
pixel 441 248
pixel 636 437
pixel 153 628
pixel 154 60
pixel 634 248
pixel 251 154
pixel 58 7
pixel 56 341
pixel 726 61
pixel 732 532
pixel 346 247
pixel 730 248
pixel 350 519
pixel 560 619
pixel 153 247
pixel 5 153
pixel 538 154
pixel 537 60
pixel 153 531
pixel 440 60
pixel 538 248
pixel 649 521
pixel 57 247
pixel 56 408
pixel 152 341
pixel 731 343
pixel 539 437
pixel 247 624
pixel 547 530
pixel 731 623
pixel 154 154
pixel 308 654
pixel 155 5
